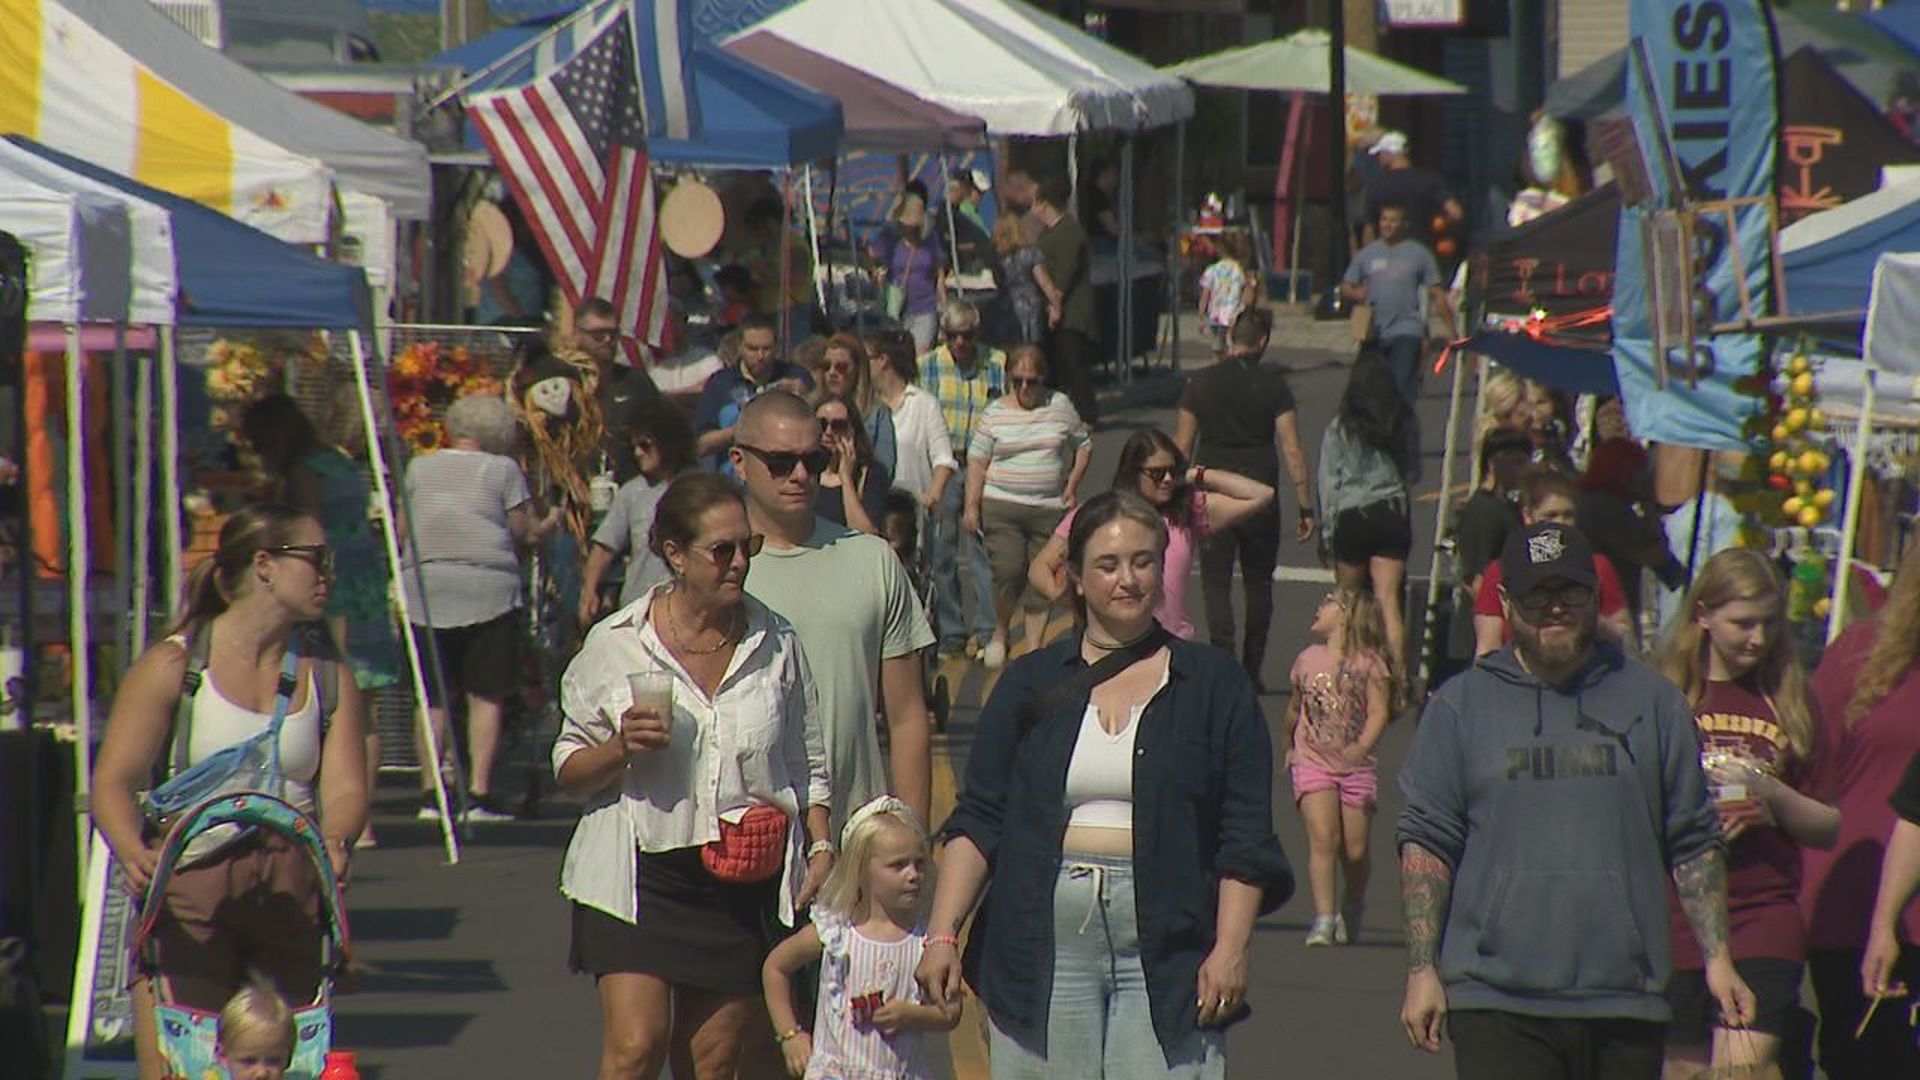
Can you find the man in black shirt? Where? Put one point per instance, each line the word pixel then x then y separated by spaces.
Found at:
pixel 596 332
pixel 1231 417
pixel 1399 182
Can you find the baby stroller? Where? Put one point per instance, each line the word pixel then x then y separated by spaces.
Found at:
pixel 187 1036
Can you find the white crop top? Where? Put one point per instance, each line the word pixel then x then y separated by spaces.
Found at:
pixel 1100 774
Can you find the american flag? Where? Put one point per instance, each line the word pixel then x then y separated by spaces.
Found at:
pixel 571 145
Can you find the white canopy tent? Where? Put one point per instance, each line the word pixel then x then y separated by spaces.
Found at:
pixel 1891 348
pixel 79 272
pixel 1025 73
pixel 1022 71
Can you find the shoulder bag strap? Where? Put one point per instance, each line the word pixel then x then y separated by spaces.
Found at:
pixel 199 646
pixel 283 699
pixel 1087 678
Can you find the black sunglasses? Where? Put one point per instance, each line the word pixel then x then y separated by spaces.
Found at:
pixel 1566 597
pixel 781 462
pixel 1157 473
pixel 722 552
pixel 961 335
pixel 837 424
pixel 319 556
pixel 604 333
pixel 1022 381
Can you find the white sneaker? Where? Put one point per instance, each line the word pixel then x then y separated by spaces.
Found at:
pixel 994 655
pixel 1339 929
pixel 1322 934
pixel 429 809
pixel 481 808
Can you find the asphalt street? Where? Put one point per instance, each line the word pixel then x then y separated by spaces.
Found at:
pixel 462 970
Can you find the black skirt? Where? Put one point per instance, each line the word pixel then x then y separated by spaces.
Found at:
pixel 693 930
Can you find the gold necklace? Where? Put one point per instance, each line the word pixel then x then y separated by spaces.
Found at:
pixel 679 631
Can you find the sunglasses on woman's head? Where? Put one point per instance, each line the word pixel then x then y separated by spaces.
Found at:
pixel 781 462
pixel 722 552
pixel 319 556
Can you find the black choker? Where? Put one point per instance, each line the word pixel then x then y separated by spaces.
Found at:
pixel 1116 646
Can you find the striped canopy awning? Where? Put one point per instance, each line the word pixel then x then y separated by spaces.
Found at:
pixel 65 84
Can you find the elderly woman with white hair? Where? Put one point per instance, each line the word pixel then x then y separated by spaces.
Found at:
pixel 470 514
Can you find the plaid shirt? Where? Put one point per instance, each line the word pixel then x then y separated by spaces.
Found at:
pixel 963 397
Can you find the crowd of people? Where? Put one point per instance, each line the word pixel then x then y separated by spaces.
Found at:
pixel 1621 850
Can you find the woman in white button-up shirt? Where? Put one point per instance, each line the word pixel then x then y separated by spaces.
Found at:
pixel 676 951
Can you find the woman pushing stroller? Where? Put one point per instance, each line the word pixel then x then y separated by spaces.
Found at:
pixel 250 656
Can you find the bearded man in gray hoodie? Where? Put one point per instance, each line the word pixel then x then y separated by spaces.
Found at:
pixel 1552 789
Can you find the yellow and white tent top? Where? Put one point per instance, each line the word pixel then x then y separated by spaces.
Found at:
pixel 69 87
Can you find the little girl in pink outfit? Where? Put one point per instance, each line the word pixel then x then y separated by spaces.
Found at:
pixel 1344 692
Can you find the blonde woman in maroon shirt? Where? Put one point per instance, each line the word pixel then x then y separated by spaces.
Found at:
pixel 1729 651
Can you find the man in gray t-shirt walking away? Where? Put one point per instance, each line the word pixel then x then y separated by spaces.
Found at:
pixel 1390 274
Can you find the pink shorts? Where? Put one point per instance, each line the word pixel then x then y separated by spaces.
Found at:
pixel 1359 788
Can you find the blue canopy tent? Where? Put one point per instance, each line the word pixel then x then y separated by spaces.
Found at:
pixel 233 275
pixel 751 118
pixel 1829 256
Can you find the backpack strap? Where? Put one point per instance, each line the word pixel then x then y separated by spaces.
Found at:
pixel 199 647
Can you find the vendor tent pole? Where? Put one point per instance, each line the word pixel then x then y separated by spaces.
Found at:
pixel 78 631
pixel 120 438
pixel 1850 522
pixel 1125 337
pixel 140 606
pixel 813 238
pixel 389 507
pixel 786 264
pixel 1179 227
pixel 1337 139
pixel 953 228
pixel 172 543
pixel 1444 517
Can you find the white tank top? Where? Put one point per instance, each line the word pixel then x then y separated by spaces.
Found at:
pixel 218 723
pixel 1100 774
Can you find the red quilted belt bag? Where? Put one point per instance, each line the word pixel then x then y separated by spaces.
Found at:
pixel 752 851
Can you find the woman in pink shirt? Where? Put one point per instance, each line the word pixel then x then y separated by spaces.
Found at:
pixel 1194 502
pixel 1868 690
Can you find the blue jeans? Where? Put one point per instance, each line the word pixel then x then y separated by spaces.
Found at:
pixel 1403 355
pixel 953 551
pixel 1099 1024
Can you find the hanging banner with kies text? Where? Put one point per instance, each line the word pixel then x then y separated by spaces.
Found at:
pixel 1704 105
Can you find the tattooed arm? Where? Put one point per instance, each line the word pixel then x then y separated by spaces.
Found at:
pixel 1426 889
pixel 1702 884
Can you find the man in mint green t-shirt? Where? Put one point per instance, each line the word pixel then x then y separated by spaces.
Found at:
pixel 849 600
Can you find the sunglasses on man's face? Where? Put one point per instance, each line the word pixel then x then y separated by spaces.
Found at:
pixel 601 333
pixel 319 556
pixel 1022 382
pixel 723 552
pixel 960 335
pixel 781 463
pixel 1540 601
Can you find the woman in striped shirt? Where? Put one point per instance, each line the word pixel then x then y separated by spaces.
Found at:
pixel 1024 466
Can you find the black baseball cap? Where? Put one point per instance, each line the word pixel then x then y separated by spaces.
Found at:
pixel 1542 553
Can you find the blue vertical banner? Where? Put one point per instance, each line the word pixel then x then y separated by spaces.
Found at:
pixel 1708 89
